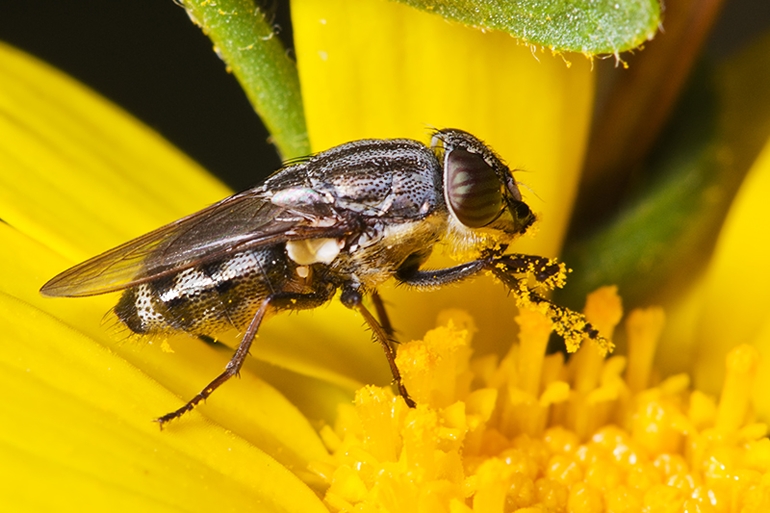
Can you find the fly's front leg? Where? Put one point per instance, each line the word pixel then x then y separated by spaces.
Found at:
pixel 352 298
pixel 547 273
pixel 277 300
pixel 435 278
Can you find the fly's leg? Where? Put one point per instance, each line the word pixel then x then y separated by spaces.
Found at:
pixel 434 278
pixel 352 298
pixel 382 315
pixel 233 367
pixel 547 273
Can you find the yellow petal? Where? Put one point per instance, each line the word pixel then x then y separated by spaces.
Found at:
pixel 71 159
pixel 248 407
pixel 737 287
pixel 76 430
pixel 372 68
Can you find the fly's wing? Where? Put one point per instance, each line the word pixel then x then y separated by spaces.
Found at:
pixel 242 221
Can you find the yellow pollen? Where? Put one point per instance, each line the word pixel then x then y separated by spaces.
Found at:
pixel 530 433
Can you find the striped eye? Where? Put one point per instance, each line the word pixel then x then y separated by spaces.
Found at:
pixel 473 190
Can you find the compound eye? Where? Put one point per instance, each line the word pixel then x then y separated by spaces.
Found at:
pixel 473 190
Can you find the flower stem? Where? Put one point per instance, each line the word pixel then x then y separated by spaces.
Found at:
pixel 245 40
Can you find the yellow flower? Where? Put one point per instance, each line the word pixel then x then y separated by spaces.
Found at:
pixel 77 409
pixel 579 437
pixel 530 433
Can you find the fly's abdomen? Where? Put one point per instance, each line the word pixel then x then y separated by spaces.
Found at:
pixel 206 298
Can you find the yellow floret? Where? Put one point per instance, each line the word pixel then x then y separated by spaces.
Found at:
pixel 532 433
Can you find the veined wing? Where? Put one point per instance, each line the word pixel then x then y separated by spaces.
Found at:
pixel 239 222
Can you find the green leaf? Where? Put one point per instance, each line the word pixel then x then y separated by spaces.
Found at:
pixel 587 26
pixel 244 39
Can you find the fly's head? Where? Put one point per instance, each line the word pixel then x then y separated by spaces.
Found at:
pixel 482 198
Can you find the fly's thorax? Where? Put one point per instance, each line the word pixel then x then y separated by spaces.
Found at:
pixel 208 298
pixel 397 178
pixel 388 194
pixel 369 257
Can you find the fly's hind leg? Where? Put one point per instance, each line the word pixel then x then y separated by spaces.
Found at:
pixel 352 298
pixel 277 300
pixel 233 366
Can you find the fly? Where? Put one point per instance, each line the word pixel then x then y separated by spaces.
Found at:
pixel 346 219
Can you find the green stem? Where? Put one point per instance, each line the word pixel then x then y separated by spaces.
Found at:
pixel 252 52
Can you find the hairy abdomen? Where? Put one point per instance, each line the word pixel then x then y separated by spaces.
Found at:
pixel 206 298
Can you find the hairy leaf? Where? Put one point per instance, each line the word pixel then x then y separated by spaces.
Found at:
pixel 586 26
